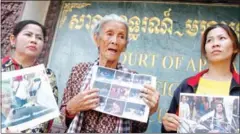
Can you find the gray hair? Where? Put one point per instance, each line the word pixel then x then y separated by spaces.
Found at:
pixel 112 17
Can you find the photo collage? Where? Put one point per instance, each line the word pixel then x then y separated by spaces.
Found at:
pixel 120 93
pixel 208 114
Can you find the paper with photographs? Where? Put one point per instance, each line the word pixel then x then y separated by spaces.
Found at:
pixel 208 114
pixel 120 93
pixel 27 99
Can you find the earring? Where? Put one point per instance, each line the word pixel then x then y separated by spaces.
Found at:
pixel 13 46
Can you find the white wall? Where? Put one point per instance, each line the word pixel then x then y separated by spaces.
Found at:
pixel 35 10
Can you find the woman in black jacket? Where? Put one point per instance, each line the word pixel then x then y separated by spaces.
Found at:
pixel 220 47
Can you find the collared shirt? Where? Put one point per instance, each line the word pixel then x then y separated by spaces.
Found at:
pixel 9 64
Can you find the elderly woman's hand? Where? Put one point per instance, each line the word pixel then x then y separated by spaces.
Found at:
pixel 85 100
pixel 151 97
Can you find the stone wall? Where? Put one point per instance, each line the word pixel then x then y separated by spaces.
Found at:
pixel 10 13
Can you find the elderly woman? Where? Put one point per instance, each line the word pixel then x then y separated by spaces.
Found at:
pixel 111 37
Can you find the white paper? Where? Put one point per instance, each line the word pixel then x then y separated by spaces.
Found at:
pixel 120 93
pixel 27 99
pixel 208 114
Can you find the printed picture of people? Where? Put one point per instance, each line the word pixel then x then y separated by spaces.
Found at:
pixel 134 110
pixel 134 96
pixel 101 103
pixel 105 74
pixel 118 88
pixel 208 114
pixel 122 78
pixel 103 87
pixel 24 102
pixel 26 97
pixel 119 92
pixel 140 80
pixel 114 107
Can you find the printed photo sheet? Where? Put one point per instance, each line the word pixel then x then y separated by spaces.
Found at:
pixel 120 93
pixel 27 99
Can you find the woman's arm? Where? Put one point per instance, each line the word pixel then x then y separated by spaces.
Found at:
pixel 67 95
pixel 170 121
pixel 73 87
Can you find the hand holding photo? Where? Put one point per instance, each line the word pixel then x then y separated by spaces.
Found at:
pixel 124 94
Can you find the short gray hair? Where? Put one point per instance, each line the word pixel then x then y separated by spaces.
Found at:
pixel 112 17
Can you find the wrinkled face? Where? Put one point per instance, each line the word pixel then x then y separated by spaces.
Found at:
pixel 111 41
pixel 219 108
pixel 219 46
pixel 29 41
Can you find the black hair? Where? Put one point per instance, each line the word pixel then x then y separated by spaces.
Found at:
pixel 20 25
pixel 231 34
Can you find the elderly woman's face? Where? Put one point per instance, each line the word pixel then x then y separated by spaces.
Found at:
pixel 112 40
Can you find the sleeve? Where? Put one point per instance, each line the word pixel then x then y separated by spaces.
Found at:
pixel 70 91
pixel 173 108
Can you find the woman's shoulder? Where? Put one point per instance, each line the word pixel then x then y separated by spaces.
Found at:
pixel 5 59
pixel 7 64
